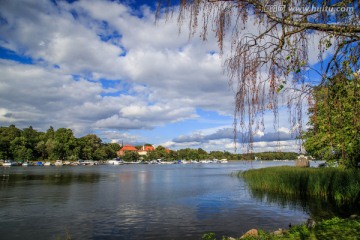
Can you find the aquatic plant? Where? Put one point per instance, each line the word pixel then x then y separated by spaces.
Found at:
pixel 339 185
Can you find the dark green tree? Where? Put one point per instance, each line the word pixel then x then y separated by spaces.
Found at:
pixel 89 145
pixel 173 155
pixel 202 154
pixel 7 135
pixel 334 124
pixel 64 144
pixel 114 146
pixel 20 151
pixel 130 156
pixel 111 149
pixel 161 153
pixel 32 138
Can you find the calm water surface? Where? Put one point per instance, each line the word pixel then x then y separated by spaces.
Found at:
pixel 135 202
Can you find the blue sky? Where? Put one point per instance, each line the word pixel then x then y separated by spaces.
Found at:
pixel 104 67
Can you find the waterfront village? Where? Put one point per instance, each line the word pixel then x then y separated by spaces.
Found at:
pixel 29 147
pixel 148 154
pixel 127 154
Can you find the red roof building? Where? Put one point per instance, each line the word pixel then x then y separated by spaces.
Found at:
pixel 126 148
pixel 147 148
pixel 129 148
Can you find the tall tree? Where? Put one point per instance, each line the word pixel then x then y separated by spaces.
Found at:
pixel 32 138
pixel 89 145
pixel 269 42
pixel 64 143
pixel 160 152
pixel 202 153
pixel 130 156
pixel 20 149
pixel 335 136
pixel 7 135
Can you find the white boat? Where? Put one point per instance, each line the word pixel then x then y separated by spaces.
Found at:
pixel 224 160
pixel 153 162
pixel 205 161
pixel 7 164
pixel 166 162
pixel 87 163
pixel 25 164
pixel 114 162
pixel 58 163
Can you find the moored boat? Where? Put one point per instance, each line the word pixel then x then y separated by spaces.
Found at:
pixel 114 162
pixel 86 162
pixel 58 163
pixel 7 163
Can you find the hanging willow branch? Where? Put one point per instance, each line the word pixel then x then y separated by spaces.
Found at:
pixel 269 42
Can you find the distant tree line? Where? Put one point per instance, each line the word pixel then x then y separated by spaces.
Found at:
pixel 200 154
pixel 29 144
pixel 276 156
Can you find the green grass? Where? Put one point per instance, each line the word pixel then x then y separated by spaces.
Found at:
pixel 338 185
pixel 335 229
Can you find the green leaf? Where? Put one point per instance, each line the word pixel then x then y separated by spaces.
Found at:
pixel 280 88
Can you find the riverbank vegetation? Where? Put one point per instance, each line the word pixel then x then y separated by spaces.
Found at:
pixel 30 144
pixel 335 228
pixel 341 186
pixel 334 126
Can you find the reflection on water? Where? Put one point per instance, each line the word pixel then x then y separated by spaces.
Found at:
pixel 57 178
pixel 136 202
pixel 316 207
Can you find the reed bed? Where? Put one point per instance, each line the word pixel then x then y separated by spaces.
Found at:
pixel 338 185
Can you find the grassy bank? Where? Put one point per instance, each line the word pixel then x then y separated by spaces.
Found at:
pixel 338 185
pixel 335 228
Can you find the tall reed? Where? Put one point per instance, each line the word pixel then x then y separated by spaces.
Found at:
pixel 339 185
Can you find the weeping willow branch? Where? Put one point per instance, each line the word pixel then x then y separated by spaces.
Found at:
pixel 266 53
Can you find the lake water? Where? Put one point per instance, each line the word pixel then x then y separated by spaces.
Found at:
pixel 135 202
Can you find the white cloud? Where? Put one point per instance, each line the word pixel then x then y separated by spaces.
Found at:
pixel 223 138
pixel 163 77
pixel 34 95
pixel 114 136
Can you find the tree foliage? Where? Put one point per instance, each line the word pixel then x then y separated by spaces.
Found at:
pixel 269 44
pixel 29 144
pixel 334 126
pixel 200 154
pixel 7 135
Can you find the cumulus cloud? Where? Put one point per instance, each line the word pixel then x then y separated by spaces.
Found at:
pixel 39 97
pixel 76 49
pixel 114 136
pixel 228 133
pixel 211 139
pixel 164 83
